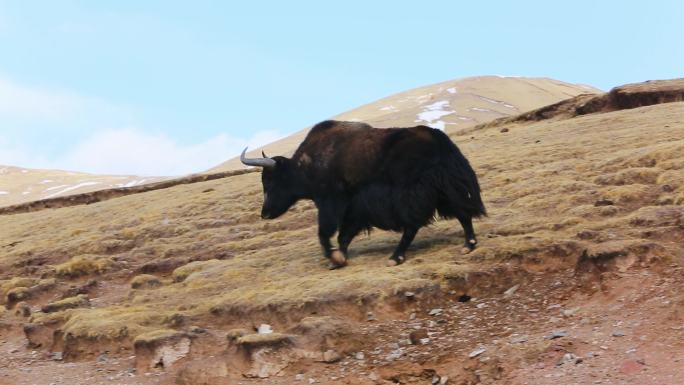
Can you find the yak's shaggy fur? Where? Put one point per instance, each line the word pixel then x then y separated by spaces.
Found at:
pixel 361 177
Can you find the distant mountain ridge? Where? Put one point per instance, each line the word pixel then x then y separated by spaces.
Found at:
pixel 451 105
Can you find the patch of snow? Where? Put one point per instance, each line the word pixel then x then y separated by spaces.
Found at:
pixel 131 183
pixel 67 189
pixel 388 108
pixel 452 90
pixel 465 118
pixel 56 187
pixel 354 120
pixel 46 181
pixel 433 112
pixel 508 76
pixel 4 193
pixel 479 109
pixel 440 125
pixel 496 102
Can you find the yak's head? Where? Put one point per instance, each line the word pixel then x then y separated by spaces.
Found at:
pixel 277 178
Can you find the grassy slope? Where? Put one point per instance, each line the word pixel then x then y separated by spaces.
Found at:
pixel 540 183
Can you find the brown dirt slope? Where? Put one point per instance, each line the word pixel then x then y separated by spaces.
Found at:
pixel 577 279
pixel 452 105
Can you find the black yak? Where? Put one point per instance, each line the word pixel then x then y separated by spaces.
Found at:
pixel 361 177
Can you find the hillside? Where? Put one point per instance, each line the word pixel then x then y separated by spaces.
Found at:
pixel 18 185
pixel 452 106
pixel 577 278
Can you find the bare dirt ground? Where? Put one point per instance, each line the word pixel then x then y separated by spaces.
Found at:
pixel 577 279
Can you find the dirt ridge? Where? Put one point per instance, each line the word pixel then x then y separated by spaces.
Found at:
pixel 623 97
pixel 106 194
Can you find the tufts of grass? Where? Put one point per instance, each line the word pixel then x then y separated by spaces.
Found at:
pixel 83 265
pixel 145 281
pixel 16 282
pixel 183 272
pixel 80 300
pixel 157 335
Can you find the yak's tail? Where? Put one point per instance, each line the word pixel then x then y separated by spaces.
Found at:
pixel 460 181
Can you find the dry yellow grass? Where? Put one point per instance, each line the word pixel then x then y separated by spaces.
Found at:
pixel 84 265
pixel 540 182
pixel 145 281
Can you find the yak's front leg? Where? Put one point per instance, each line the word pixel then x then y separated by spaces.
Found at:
pixel 328 221
pixel 398 256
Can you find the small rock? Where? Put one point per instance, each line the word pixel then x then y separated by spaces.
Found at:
pixel 370 316
pixel 511 291
pixel 481 305
pixel 312 381
pixel 618 333
pixel 299 377
pixel 519 340
pixel 412 316
pixel 557 334
pixel 417 335
pixel 435 380
pixel 443 380
pixel 424 341
pixel 476 352
pixel 603 202
pixel 264 329
pixel 567 358
pixel 570 312
pixel 360 356
pixel 330 356
pixel 394 355
pixel 504 130
pixel 197 330
pixel 373 376
pixel 57 356
pixel 409 294
pixel 435 312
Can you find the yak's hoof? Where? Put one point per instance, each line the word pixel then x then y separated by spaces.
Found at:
pixel 469 246
pixel 338 259
pixel 393 261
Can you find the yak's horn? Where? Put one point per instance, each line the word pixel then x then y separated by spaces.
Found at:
pixel 258 162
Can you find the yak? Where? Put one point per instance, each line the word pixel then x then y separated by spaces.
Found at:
pixel 360 177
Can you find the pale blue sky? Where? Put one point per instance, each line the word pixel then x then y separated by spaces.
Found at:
pixel 169 87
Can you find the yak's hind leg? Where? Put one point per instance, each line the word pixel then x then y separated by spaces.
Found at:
pixel 398 256
pixel 470 240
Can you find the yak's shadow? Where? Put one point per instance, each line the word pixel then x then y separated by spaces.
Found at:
pixel 364 245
